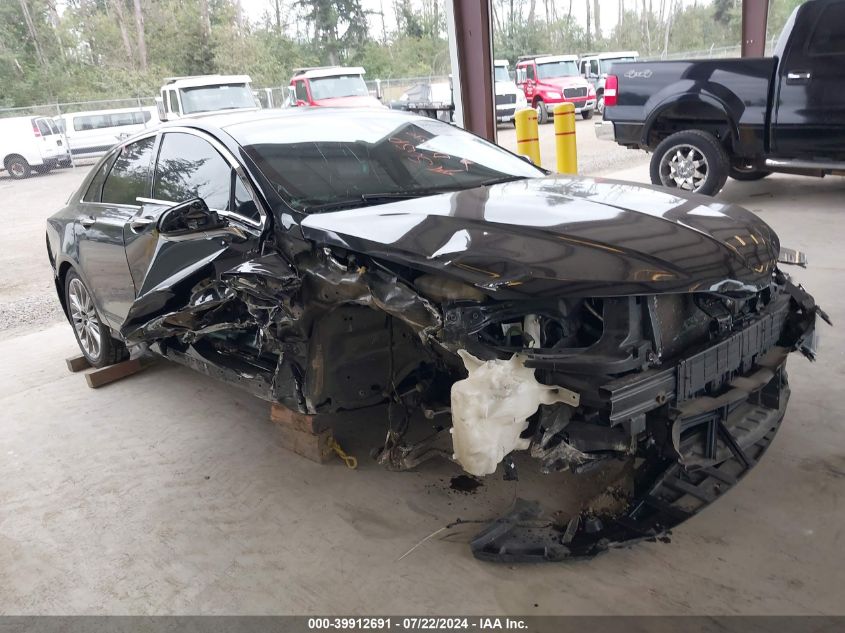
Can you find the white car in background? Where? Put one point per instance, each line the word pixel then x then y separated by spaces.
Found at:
pixel 595 68
pixel 94 132
pixel 30 144
pixel 509 96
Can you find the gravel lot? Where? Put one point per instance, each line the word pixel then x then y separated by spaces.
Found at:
pixel 594 156
pixel 27 297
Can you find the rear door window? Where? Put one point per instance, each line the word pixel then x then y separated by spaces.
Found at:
pixel 129 179
pixel 95 189
pixel 189 167
pixel 529 71
pixel 43 127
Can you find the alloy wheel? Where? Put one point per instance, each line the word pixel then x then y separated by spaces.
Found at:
pixel 83 315
pixel 683 167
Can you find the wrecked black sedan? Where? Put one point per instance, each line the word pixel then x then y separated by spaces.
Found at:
pixel 332 260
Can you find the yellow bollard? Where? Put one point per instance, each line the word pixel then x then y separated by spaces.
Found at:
pixel 527 134
pixel 567 154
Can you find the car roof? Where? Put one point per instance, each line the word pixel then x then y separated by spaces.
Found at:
pixel 611 55
pixel 308 116
pixel 547 59
pixel 328 71
pixel 205 80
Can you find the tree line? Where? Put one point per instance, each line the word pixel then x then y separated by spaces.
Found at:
pixel 100 49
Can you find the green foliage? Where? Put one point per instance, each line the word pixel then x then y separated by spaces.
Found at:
pixel 91 50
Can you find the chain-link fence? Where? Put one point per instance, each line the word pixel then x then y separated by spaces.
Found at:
pixel 714 52
pixel 58 109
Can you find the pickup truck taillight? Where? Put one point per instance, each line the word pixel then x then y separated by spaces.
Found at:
pixel 611 83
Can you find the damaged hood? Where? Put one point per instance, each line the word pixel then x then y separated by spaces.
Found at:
pixel 583 236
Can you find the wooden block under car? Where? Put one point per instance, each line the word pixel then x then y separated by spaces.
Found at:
pixel 105 375
pixel 289 418
pixel 308 445
pixel 77 363
pixel 305 435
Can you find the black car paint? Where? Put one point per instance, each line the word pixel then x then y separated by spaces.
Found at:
pixel 560 235
pixel 751 104
pixel 321 313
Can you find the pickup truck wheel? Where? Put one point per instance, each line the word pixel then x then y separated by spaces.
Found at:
pixel 587 114
pixel 748 174
pixel 600 104
pixel 691 160
pixel 17 167
pixel 542 113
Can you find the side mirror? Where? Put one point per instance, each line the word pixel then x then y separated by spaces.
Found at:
pixel 292 96
pixel 191 216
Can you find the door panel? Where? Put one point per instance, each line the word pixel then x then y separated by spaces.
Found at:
pixel 180 273
pixel 102 257
pixel 809 120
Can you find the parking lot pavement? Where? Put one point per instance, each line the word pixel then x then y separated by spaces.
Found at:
pixel 167 493
pixel 594 156
pixel 26 286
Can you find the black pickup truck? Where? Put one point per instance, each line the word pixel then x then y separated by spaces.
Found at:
pixel 745 118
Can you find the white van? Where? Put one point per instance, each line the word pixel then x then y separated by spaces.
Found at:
pixel 94 132
pixel 595 67
pixel 30 144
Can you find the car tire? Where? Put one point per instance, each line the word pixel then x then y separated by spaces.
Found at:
pixel 17 167
pixel 600 105
pixel 587 114
pixel 92 335
pixel 747 175
pixel 542 112
pixel 691 160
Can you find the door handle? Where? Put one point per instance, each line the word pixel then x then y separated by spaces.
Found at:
pixel 87 221
pixel 139 224
pixel 798 77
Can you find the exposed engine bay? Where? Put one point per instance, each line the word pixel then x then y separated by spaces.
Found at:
pixel 689 388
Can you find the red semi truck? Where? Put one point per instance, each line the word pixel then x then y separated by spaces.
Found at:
pixel 335 86
pixel 548 80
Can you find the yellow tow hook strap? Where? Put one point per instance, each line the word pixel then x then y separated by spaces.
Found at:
pixel 350 460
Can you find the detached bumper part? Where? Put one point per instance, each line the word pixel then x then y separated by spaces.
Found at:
pixel 665 492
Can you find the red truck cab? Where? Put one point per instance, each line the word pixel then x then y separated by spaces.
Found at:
pixel 334 86
pixel 548 80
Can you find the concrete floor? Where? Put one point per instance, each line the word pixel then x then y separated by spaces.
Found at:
pixel 167 493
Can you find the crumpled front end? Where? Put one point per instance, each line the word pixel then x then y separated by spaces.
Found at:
pixel 666 355
pixel 688 389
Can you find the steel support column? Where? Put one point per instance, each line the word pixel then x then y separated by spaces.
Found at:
pixel 471 48
pixel 755 13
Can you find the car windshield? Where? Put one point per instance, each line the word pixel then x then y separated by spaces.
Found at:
pixel 338 86
pixel 501 73
pixel 549 70
pixel 219 97
pixel 607 64
pixel 336 162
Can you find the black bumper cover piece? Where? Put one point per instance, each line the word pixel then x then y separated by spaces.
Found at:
pixel 665 495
